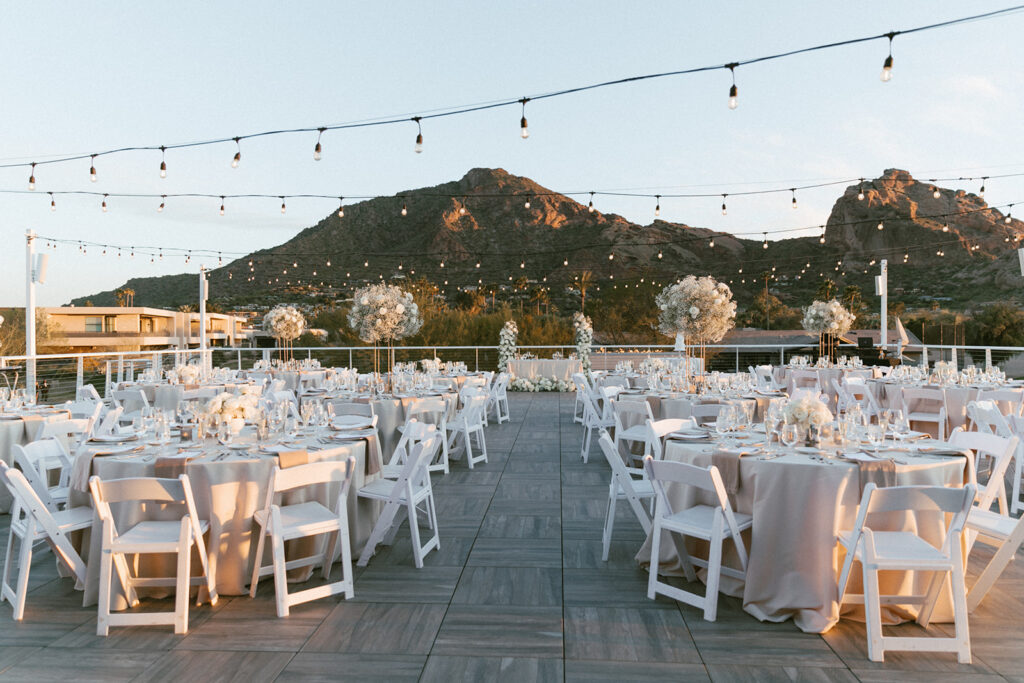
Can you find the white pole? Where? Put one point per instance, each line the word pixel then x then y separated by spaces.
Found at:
pixel 202 316
pixel 884 336
pixel 30 313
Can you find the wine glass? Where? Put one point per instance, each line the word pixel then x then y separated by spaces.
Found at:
pixel 790 434
pixel 874 434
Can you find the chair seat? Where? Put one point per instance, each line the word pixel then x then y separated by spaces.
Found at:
pixel 697 521
pixel 669 425
pixel 634 433
pixel 924 417
pixel 73 519
pixel 992 524
pixel 900 549
pixel 302 519
pixel 642 487
pixel 380 489
pixel 152 537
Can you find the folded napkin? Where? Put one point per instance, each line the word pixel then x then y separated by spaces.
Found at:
pixel 882 472
pixel 728 464
pixel 172 466
pixel 293 458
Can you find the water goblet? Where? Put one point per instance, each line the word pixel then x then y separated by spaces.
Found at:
pixel 790 434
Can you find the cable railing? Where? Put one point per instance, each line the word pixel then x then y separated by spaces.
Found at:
pixel 58 376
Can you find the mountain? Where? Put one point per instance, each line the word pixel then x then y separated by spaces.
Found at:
pixel 482 232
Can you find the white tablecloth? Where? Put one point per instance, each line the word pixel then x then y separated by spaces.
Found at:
pixel 889 394
pixel 19 429
pixel 798 506
pixel 545 367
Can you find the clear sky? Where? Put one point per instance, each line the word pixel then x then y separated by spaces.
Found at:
pixel 84 76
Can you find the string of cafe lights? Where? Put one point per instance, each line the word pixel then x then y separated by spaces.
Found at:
pixel 444 112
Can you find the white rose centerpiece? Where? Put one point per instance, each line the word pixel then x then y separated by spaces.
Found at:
pixel 829 320
pixel 384 313
pixel 234 410
pixel 700 308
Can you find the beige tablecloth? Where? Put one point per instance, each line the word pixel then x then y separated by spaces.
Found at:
pixel 785 375
pixel 889 394
pixel 545 367
pixel 798 506
pixel 227 493
pixel 20 429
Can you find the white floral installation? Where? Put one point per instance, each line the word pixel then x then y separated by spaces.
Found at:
pixel 700 308
pixel 431 366
pixel 806 411
pixel 539 384
pixel 285 324
pixel 384 313
pixel 584 333
pixel 234 410
pixel 507 344
pixel 827 317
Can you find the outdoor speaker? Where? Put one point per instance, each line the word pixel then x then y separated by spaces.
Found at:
pixel 1020 257
pixel 42 261
pixel 879 285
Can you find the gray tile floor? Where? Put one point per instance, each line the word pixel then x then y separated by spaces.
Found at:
pixel 517 592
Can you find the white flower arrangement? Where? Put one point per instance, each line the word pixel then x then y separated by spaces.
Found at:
pixel 827 317
pixel 188 374
pixel 539 384
pixel 584 331
pixel 234 410
pixel 806 411
pixel 649 365
pixel 700 308
pixel 507 344
pixel 431 366
pixel 284 323
pixel 384 312
pixel 261 365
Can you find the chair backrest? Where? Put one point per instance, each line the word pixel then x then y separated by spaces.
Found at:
pixel 999 448
pixel 614 381
pixel 706 479
pixel 284 395
pixel 629 413
pixel 702 412
pixel 476 381
pixel 620 473
pixel 473 409
pixel 857 391
pixel 806 379
pixel 276 385
pixel 415 473
pixel 141 490
pixel 1008 401
pixel 413 432
pixel 950 503
pixel 109 422
pixel 86 409
pixel 32 477
pixel 131 400
pixel 199 394
pixel 923 399
pixel 352 408
pixel 433 410
pixel 44 455
pixel 500 386
pixel 301 476
pixel 988 419
pixel 87 392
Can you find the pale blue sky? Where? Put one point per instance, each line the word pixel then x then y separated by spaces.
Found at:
pixel 88 75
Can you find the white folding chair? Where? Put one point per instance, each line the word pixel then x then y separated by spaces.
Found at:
pixel 631 417
pixel 413 432
pixel 469 423
pixel 713 523
pixel 1010 402
pixel 1017 428
pixel 46 457
pixel 132 401
pixel 658 430
pixel 87 392
pixel 84 409
pixel 148 537
pixel 985 417
pixel 1001 451
pixel 1006 534
pixel 109 422
pixel 905 550
pixel 805 379
pixel 857 391
pixel 70 432
pixel 593 416
pixel 499 398
pixel 351 408
pixel 624 487
pixel 432 411
pixel 33 519
pixel 411 489
pixel 287 522
pixel 705 412
pixel 926 405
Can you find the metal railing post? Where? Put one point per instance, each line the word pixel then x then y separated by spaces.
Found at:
pixel 106 384
pixel 737 359
pixel 350 357
pixel 79 374
pixel 239 354
pixel 476 364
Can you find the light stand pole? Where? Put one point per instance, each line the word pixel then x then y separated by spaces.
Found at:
pixel 203 292
pixel 882 289
pixel 30 314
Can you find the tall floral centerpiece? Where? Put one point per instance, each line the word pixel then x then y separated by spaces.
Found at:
pixel 285 324
pixel 584 337
pixel 383 313
pixel 507 344
pixel 829 320
pixel 700 308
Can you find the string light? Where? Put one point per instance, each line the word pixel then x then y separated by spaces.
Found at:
pixel 163 162
pixel 887 65
pixel 328 263
pixel 711 243
pixel 462 207
pixel 657 206
pixel 32 177
pixel 821 239
pixel 160 208
pixel 1009 215
pixel 341 207
pixel 764 245
pixel 283 207
pixel 405 211
pixel 524 132
pixel 366 264
pixel 92 168
pixel 733 91
pixel 526 204
pixel 318 149
pixel 222 205
pixel 53 203
pixel 860 193
pixel 104 204
pixel 935 192
pixel 659 254
pixel 611 256
pixel 945 228
pixel 565 261
pixel 724 210
pixel 793 190
pixel 238 153
pixel 981 193
pixel 880 226
pixel 419 136
pixel 590 206
pixel 522 264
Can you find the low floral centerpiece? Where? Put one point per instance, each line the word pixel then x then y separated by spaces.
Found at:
pixel 829 320
pixel 808 412
pixel 234 410
pixel 431 366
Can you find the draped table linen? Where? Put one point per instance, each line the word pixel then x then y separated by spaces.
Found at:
pixel 19 429
pixel 551 368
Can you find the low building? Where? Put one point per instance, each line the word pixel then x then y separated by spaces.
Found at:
pixel 115 328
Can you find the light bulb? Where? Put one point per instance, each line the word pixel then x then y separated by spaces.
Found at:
pixel 366 264
pixel 328 263
pixel 764 245
pixel 92 169
pixel 104 204
pixel 659 253
pixel 611 257
pixel 316 152
pixel 222 206
pixel 160 208
pixel 32 177
pixel 522 264
pixel 880 226
pixel 442 264
pixel 860 195
pixel 793 203
pixel 477 264
pixel 733 97
pixel 725 211
pixel 590 206
pixel 238 154
pixel 565 261
pixel 821 240
pixel 981 192
pixel 526 204
pixel 657 207
pixel 53 203
pixel 341 208
pixel 887 69
pixel 936 193
pixel 405 212
pixel 283 207
pixel 462 211
pixel 945 228
pixel 711 243
pixel 524 131
pixel 419 143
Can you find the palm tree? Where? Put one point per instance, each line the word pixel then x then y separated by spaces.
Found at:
pixel 125 296
pixel 521 284
pixel 539 296
pixel 583 283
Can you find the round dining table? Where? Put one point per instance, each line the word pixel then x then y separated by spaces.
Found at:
pixel 229 485
pixel 799 501
pixel 19 428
